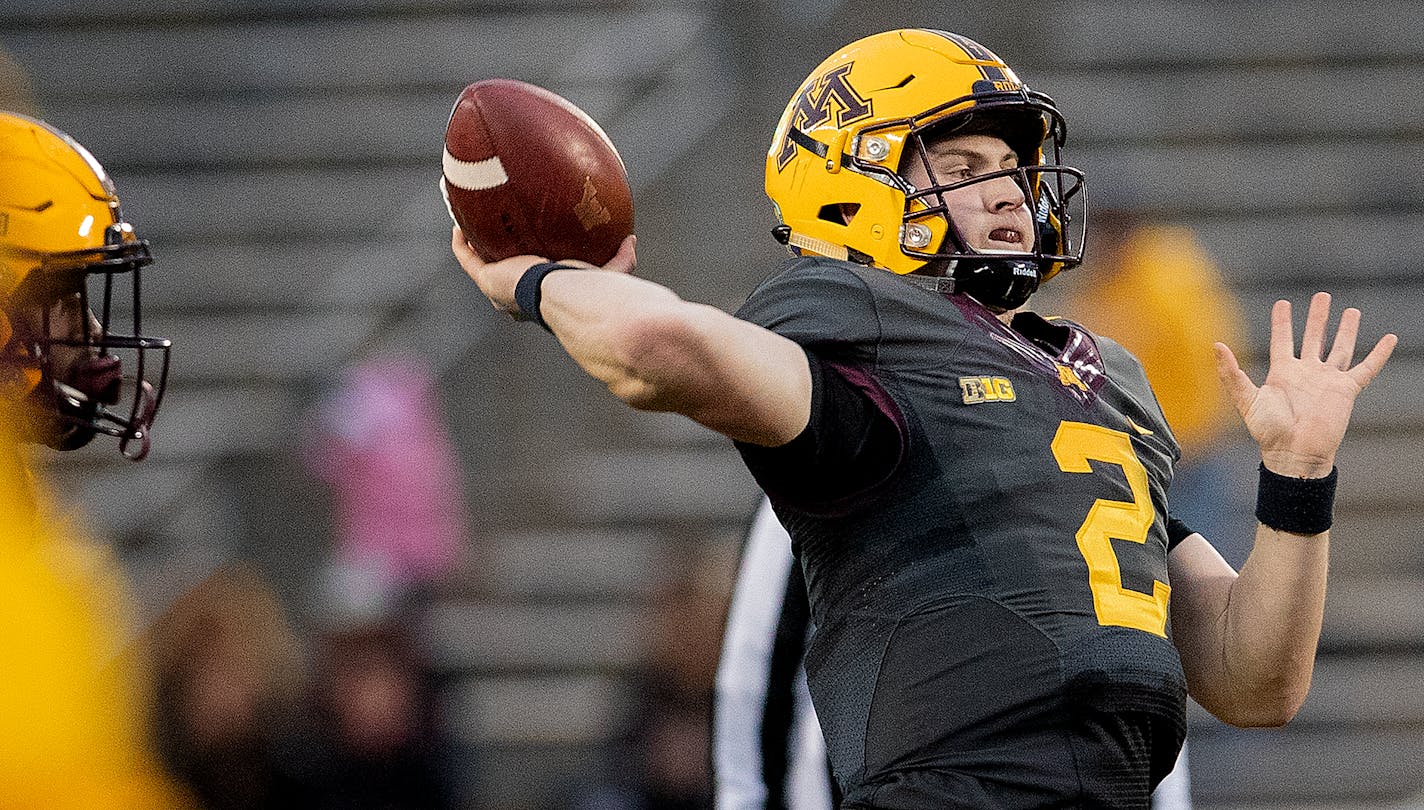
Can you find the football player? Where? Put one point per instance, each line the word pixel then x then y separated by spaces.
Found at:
pixel 977 496
pixel 73 712
pixel 62 370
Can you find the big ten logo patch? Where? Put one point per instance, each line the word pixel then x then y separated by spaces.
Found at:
pixel 830 94
pixel 986 389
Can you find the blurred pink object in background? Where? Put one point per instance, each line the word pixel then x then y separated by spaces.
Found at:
pixel 383 446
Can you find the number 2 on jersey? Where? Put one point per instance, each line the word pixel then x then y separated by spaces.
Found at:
pixel 1075 444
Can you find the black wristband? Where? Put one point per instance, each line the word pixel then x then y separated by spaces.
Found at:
pixel 527 293
pixel 1296 505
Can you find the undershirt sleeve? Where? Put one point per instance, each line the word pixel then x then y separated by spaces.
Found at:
pixel 1177 531
pixel 853 442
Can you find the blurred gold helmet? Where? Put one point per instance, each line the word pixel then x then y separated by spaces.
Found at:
pixel 836 167
pixel 62 370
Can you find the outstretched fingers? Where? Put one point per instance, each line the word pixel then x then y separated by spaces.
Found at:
pixel 1236 382
pixel 1342 351
pixel 1282 333
pixel 1312 339
pixel 1374 362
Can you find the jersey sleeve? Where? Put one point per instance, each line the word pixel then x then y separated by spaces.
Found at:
pixel 1177 531
pixel 854 440
pixel 821 305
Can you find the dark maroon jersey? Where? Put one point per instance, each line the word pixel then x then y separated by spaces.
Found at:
pixel 991 615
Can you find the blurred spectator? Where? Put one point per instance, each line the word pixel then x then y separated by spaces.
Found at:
pixel 383 447
pixel 665 762
pixel 688 610
pixel 376 727
pixel 248 725
pixel 229 671
pixel 669 749
pixel 1153 288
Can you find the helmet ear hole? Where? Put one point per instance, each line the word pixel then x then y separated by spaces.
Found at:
pixel 839 213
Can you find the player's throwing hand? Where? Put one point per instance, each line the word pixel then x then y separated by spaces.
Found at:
pixel 497 280
pixel 1299 414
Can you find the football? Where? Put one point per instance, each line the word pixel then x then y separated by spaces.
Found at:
pixel 527 172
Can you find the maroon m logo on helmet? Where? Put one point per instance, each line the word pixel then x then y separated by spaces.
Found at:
pixel 830 94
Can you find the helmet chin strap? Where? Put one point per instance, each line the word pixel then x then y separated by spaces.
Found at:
pixel 1000 283
pixel 58 419
pixel 72 412
pixel 997 282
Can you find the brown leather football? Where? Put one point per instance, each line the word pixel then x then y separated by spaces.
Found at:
pixel 527 172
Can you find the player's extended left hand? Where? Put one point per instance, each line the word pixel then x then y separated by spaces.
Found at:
pixel 498 279
pixel 1299 414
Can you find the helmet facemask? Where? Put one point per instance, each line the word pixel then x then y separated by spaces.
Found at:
pixel 64 332
pixel 1002 280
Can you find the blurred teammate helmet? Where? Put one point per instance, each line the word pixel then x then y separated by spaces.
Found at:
pixel 63 371
pixel 836 167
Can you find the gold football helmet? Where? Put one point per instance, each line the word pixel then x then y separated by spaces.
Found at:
pixel 836 167
pixel 62 371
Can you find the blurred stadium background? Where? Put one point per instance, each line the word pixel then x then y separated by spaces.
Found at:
pixel 282 157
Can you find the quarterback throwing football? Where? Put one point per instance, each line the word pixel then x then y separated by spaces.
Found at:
pixel 1007 614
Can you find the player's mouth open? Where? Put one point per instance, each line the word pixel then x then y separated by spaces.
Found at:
pixel 1007 235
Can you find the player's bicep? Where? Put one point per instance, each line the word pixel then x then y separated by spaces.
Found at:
pixel 1201 592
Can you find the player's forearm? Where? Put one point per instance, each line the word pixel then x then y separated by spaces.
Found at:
pixel 658 352
pixel 1271 627
pixel 602 321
